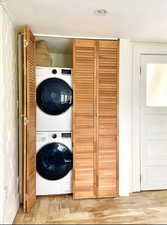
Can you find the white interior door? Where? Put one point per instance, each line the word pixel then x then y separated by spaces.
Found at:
pixel 153 122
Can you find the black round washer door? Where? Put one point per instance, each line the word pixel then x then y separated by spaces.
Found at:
pixel 54 96
pixel 54 161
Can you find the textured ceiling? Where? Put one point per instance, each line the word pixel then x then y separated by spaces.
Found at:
pixel 144 20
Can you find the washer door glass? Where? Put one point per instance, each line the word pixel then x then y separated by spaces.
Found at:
pixel 54 96
pixel 54 161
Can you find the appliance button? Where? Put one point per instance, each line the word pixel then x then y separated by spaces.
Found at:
pixel 54 136
pixel 54 71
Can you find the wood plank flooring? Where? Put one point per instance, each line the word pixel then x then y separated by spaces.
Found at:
pixel 139 208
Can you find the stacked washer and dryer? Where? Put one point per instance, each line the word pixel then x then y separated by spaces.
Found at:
pixel 54 125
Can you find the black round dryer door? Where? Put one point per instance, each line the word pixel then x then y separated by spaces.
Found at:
pixel 54 161
pixel 54 96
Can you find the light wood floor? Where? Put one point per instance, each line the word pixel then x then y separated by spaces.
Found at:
pixel 139 208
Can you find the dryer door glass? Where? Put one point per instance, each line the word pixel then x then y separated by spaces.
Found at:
pixel 54 161
pixel 54 96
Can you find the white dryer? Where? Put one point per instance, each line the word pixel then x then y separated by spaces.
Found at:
pixel 54 163
pixel 54 99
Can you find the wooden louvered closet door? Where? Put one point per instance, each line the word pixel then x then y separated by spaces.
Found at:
pixel 95 118
pixel 29 131
pixel 107 111
pixel 84 53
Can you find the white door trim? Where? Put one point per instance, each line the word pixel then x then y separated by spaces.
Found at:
pixel 139 49
pixel 125 103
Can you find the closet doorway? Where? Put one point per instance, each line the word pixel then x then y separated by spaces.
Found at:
pixel 95 117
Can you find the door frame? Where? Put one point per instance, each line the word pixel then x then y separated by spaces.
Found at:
pixel 139 49
pixel 125 107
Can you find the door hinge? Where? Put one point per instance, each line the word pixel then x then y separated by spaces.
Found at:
pixel 140 179
pixel 140 73
pixel 25 121
pixel 17 102
pixel 26 43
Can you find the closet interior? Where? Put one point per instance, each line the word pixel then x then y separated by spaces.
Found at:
pixel 59 49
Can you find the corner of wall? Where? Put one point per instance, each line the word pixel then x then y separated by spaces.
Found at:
pixel 125 117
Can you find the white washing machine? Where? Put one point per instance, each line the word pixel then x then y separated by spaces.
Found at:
pixel 54 99
pixel 54 162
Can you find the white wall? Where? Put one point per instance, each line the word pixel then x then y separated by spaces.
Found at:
pixel 9 200
pixel 129 111
pixel 125 118
pixel 61 60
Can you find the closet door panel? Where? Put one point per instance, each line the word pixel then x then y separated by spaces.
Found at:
pixel 29 158
pixel 83 119
pixel 107 151
pixel 95 118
